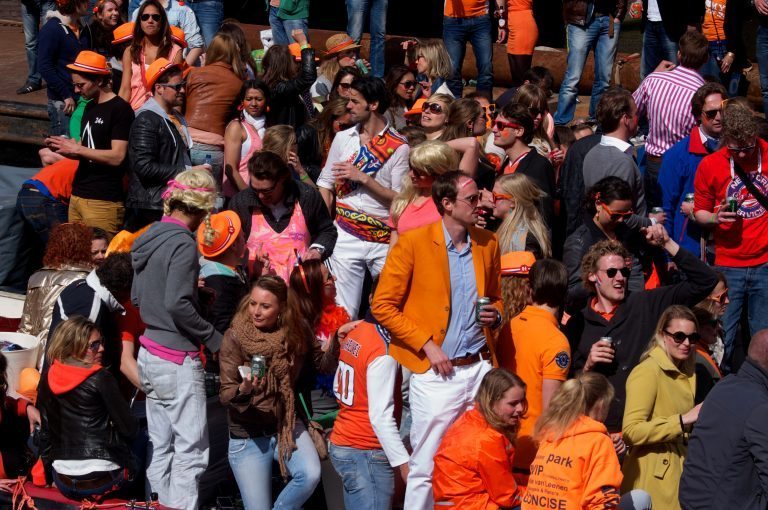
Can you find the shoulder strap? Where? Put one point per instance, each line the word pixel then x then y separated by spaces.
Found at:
pixel 762 199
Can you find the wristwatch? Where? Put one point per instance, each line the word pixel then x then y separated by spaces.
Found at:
pixel 319 248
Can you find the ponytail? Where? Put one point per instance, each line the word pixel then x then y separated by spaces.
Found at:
pixel 576 397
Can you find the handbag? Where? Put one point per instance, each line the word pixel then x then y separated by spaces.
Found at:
pixel 316 432
pixel 761 199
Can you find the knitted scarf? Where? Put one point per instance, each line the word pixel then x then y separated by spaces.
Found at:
pixel 279 381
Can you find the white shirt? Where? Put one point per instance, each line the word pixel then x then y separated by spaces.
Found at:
pixel 654 14
pixel 611 141
pixel 345 146
pixel 82 467
pixel 380 378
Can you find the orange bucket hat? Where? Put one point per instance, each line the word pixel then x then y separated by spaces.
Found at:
pixel 157 68
pixel 89 62
pixel 177 35
pixel 517 263
pixel 227 228
pixel 123 33
pixel 338 43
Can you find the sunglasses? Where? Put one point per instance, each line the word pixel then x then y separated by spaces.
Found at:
pixel 612 271
pixel 490 109
pixel 720 298
pixel 535 112
pixel 471 199
pixel 96 345
pixel 711 114
pixel 501 125
pixel 265 191
pixel 432 108
pixel 737 150
pixel 345 86
pixel 615 215
pixel 500 196
pixel 409 84
pixel 176 87
pixel 680 337
pixel 155 17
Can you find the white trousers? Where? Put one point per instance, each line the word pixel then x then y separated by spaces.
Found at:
pixel 436 402
pixel 351 256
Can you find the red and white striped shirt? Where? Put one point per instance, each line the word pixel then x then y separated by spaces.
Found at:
pixel 664 97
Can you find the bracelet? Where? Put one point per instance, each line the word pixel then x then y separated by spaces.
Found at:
pixel 305 46
pixel 304 177
pixel 713 218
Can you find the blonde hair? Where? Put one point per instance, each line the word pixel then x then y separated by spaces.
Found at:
pixel 329 67
pixel 515 294
pixel 70 339
pixel 437 57
pixel 195 191
pixel 575 398
pixel 492 388
pixel 280 140
pixel 673 312
pixel 433 158
pixel 527 213
pixel 224 49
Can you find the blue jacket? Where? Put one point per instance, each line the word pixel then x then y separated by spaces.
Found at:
pixel 726 462
pixel 678 169
pixel 58 46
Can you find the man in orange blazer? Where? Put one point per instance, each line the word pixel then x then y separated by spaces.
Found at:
pixel 426 300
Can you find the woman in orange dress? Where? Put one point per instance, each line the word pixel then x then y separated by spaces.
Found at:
pixel 523 34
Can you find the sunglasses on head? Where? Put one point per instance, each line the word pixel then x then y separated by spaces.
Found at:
pixel 176 87
pixel 711 114
pixel 409 84
pixel 612 271
pixel 679 337
pixel 502 125
pixel 435 108
pixel 615 215
pixel 146 17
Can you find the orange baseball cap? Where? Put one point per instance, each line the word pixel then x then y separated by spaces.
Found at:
pixel 417 108
pixel 123 33
pixel 517 263
pixel 177 35
pixel 157 68
pixel 227 228
pixel 89 62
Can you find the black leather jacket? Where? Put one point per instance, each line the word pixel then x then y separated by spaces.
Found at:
pixel 156 153
pixel 91 421
pixel 285 106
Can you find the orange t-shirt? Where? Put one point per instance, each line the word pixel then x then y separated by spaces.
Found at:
pixel 58 178
pixel 712 25
pixel 541 352
pixel 465 8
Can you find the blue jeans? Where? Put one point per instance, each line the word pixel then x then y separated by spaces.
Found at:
pixel 209 14
pixel 368 479
pixel 252 459
pixel 594 36
pixel 357 10
pixel 657 46
pixel 42 213
pixel 117 480
pixel 731 79
pixel 282 28
pixel 32 15
pixel 746 285
pixel 762 60
pixel 477 30
pixel 59 119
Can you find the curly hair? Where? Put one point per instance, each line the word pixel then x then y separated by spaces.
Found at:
pixel 515 294
pixel 739 123
pixel 69 245
pixel 116 274
pixel 596 252
pixel 197 194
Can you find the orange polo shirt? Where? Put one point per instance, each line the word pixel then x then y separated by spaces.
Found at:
pixel 541 352
pixel 465 8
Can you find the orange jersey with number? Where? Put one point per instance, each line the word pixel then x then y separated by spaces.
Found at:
pixel 352 427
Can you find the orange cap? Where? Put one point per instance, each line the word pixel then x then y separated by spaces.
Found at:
pixel 123 241
pixel 517 263
pixel 177 35
pixel 227 228
pixel 155 69
pixel 89 62
pixel 123 33
pixel 417 107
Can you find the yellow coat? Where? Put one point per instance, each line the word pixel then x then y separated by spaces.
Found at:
pixel 658 393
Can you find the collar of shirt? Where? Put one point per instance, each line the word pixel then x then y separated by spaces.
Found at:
pixel 612 141
pixel 357 130
pixel 449 242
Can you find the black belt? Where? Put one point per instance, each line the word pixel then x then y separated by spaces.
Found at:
pixel 87 483
pixel 471 359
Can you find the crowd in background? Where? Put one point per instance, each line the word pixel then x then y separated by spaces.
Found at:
pixel 459 298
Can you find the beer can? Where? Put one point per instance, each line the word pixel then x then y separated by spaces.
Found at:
pixel 258 366
pixel 636 10
pixel 481 302
pixel 360 63
pixel 606 340
pixel 688 198
pixel 657 210
pixel 733 204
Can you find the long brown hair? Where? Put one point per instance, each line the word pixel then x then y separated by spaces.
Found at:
pixel 137 44
pixel 278 65
pixel 461 112
pixel 223 49
pixel 307 286
pixel 492 388
pixel 323 123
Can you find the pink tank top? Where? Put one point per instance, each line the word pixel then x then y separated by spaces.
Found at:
pixel 139 92
pixel 228 188
pixel 280 248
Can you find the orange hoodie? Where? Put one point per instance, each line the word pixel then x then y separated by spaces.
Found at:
pixel 473 467
pixel 63 378
pixel 578 471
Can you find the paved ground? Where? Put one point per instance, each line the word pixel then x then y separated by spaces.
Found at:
pixel 13 66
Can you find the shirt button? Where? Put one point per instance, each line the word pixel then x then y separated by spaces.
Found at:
pixel 442 331
pixel 665 462
pixel 624 369
pixel 447 308
pixel 618 342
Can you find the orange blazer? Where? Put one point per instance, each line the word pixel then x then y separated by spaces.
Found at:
pixel 413 298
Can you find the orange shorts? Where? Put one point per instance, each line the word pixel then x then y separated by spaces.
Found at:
pixel 523 32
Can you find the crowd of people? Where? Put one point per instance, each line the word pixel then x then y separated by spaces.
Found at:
pixel 460 300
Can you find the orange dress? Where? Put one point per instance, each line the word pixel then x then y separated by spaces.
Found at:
pixel 523 32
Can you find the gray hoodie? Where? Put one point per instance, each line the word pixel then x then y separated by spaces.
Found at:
pixel 165 261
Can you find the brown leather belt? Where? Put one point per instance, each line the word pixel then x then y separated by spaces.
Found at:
pixel 651 157
pixel 471 359
pixel 90 483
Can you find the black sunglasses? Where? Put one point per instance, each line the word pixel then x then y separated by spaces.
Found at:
pixel 96 344
pixel 345 86
pixel 680 337
pixel 535 112
pixel 611 272
pixel 176 87
pixel 155 17
pixel 711 114
pixel 432 108
pixel 409 84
